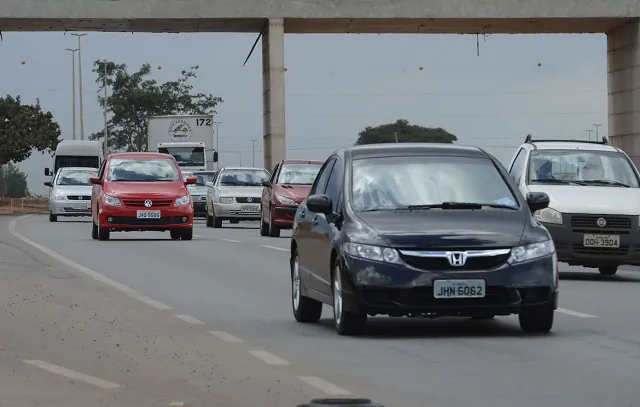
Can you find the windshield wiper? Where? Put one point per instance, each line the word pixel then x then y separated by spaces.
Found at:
pixel 557 181
pixel 459 205
pixel 607 182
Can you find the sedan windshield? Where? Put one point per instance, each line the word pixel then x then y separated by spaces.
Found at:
pixel 76 177
pixel 142 170
pixel 298 173
pixel 581 167
pixel 242 177
pixel 423 182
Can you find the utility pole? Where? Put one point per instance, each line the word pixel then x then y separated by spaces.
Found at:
pixel 253 151
pixel 240 156
pixel 589 131
pixel 80 80
pixel 597 133
pixel 73 87
pixel 396 136
pixel 106 133
pixel 217 144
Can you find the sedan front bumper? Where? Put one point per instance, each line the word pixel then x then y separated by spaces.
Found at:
pixel 237 211
pixel 70 208
pixel 122 218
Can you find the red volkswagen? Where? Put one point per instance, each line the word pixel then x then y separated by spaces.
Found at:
pixel 290 183
pixel 141 192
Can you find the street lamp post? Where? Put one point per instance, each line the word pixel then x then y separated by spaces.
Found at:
pixel 106 133
pixel 73 87
pixel 589 132
pixel 80 84
pixel 597 133
pixel 217 144
pixel 253 152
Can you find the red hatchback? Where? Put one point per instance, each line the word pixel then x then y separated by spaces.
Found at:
pixel 289 185
pixel 141 192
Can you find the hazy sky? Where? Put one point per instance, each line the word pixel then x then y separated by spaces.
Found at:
pixel 338 84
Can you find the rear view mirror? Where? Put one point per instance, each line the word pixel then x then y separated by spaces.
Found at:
pixel 320 204
pixel 215 156
pixel 95 180
pixel 48 184
pixel 537 201
pixel 46 172
pixel 209 184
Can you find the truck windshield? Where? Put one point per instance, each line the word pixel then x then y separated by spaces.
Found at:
pixel 186 156
pixel 62 161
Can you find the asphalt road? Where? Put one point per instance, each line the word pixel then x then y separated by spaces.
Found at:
pixel 236 283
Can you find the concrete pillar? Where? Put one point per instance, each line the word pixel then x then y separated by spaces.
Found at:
pixel 273 93
pixel 623 78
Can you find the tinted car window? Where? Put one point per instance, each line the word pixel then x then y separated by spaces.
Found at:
pixel 397 182
pixel 581 165
pixel 334 186
pixel 320 183
pixel 142 170
pixel 242 177
pixel 298 173
pixel 518 165
pixel 208 176
pixel 76 177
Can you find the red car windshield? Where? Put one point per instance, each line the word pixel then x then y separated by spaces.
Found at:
pixel 142 170
pixel 298 173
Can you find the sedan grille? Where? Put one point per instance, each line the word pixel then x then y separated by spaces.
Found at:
pixel 254 200
pixel 139 203
pixel 437 261
pixel 79 197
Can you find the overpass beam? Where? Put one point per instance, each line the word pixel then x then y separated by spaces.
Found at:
pixel 623 82
pixel 274 145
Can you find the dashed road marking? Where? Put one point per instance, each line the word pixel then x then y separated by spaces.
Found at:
pixel 198 236
pixel 189 319
pixel 70 374
pixel 574 313
pixel 86 270
pixel 177 404
pixel 325 386
pixel 269 358
pixel 224 336
pixel 282 249
pixel 232 240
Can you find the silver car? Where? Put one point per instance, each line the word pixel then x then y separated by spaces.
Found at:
pixel 70 193
pixel 235 195
pixel 198 192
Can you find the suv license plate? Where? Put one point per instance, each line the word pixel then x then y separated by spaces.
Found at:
pixel 459 289
pixel 144 214
pixel 605 241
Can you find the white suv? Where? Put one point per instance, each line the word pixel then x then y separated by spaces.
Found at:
pixel 594 188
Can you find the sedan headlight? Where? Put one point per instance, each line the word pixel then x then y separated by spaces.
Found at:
pixel 532 251
pixel 377 253
pixel 110 200
pixel 548 215
pixel 59 196
pixel 285 200
pixel 182 201
pixel 226 200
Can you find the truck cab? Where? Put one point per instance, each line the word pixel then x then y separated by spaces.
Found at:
pixel 190 156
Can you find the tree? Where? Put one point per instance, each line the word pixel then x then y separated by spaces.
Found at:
pixel 24 128
pixel 13 182
pixel 405 133
pixel 135 96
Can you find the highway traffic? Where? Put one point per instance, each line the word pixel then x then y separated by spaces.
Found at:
pixel 144 320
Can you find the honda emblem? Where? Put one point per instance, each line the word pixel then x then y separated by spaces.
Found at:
pixel 457 259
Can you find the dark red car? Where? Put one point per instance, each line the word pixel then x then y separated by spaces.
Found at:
pixel 289 185
pixel 141 192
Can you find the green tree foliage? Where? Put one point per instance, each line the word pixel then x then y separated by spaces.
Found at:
pixel 132 97
pixel 405 133
pixel 13 182
pixel 24 128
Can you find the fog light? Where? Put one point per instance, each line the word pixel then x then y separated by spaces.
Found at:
pixel 110 219
pixel 184 219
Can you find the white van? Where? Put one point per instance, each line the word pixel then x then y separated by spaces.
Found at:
pixel 594 189
pixel 76 153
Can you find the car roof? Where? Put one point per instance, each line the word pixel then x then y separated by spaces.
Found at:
pixel 140 155
pixel 571 145
pixel 244 168
pixel 303 162
pixel 64 169
pixel 391 149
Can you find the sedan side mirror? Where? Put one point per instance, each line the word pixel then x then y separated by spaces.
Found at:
pixel 209 184
pixel 46 172
pixel 266 183
pixel 320 204
pixel 191 180
pixel 95 180
pixel 537 201
pixel 48 184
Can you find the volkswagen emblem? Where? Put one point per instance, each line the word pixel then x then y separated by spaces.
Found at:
pixel 148 203
pixel 249 199
pixel 457 259
pixel 601 222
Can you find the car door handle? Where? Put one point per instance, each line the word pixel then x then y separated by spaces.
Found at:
pixel 315 221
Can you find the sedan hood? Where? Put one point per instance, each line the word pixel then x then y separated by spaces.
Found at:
pixel 144 189
pixel 296 192
pixel 241 191
pixel 72 190
pixel 591 199
pixel 440 229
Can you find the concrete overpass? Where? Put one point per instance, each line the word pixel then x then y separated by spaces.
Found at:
pixel 619 19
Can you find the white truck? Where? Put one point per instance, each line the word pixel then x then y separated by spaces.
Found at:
pixel 189 138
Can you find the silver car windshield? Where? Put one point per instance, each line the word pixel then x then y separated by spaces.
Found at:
pixel 243 177
pixel 401 182
pixel 75 178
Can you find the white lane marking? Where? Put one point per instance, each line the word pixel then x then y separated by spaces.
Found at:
pixel 224 336
pixel 189 319
pixel 325 386
pixel 177 404
pixel 198 236
pixel 91 273
pixel 232 240
pixel 574 313
pixel 269 358
pixel 70 374
pixel 282 249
